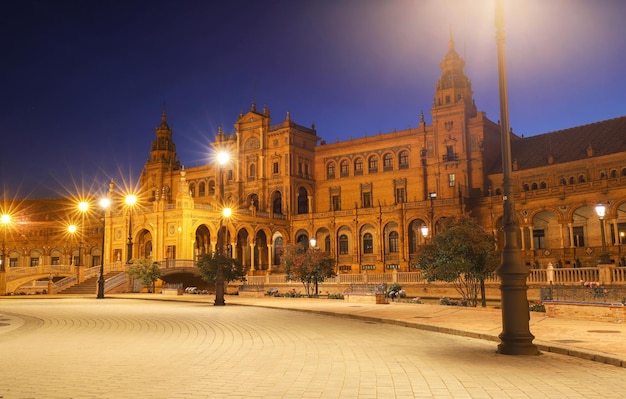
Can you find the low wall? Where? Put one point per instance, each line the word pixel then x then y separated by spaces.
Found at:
pixel 607 312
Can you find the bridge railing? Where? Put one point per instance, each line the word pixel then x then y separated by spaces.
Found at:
pixel 115 281
pixel 63 283
pixel 15 273
pixel 176 263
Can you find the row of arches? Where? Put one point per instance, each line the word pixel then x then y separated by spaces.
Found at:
pixel 564 180
pixel 84 256
pixel 358 164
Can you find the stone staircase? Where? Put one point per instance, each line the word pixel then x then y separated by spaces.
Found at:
pixel 87 287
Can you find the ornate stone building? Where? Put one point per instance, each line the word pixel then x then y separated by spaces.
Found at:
pixel 366 200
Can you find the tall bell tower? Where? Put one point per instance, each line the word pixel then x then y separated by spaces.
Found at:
pixel 453 147
pixel 157 179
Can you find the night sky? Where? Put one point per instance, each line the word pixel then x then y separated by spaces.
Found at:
pixel 83 83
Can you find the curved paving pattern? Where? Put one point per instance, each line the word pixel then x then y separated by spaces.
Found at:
pixel 124 348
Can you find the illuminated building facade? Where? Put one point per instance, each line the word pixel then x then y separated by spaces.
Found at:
pixel 366 200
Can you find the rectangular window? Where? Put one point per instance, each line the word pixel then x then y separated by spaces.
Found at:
pixel 539 239
pixel 35 261
pixel 579 236
pixel 95 260
pixel 430 152
pixel 451 180
pixel 336 203
pixel 55 261
pixel 275 168
pixel 343 245
pixel 367 200
pixel 400 195
pixel 13 262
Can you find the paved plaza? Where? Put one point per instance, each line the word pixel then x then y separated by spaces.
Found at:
pixel 72 347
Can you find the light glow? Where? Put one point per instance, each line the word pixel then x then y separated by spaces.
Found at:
pixel 131 199
pixel 600 210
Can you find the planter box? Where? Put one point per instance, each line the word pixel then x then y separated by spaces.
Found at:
pixel 358 297
pixel 607 312
pixel 171 291
pixel 251 294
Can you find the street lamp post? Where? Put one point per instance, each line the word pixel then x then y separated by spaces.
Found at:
pixel 432 197
pixel 104 204
pixel 72 229
pixel 604 256
pixel 5 220
pixel 222 159
pixel 130 200
pixel 83 206
pixel 515 337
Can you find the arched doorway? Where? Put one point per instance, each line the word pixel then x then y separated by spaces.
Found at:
pixel 203 241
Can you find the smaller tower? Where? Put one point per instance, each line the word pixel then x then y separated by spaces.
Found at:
pixel 157 176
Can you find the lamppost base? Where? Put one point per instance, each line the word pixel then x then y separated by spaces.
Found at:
pixel 519 346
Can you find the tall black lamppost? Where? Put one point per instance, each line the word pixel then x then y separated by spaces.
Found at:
pixel 130 200
pixel 515 337
pixel 83 206
pixel 222 159
pixel 604 256
pixel 72 229
pixel 432 197
pixel 5 220
pixel 104 204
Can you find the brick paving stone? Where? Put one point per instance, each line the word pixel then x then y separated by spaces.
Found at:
pixel 122 348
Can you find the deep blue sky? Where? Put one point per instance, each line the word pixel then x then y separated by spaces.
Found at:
pixel 83 83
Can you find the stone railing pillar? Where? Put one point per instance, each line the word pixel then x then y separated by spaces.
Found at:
pixel 605 272
pixel 550 273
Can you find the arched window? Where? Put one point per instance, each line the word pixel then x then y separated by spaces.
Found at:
pixel 254 201
pixel 303 201
pixel 614 174
pixel 388 162
pixel 330 171
pixel 393 241
pixel 212 187
pixel 543 185
pixel 343 244
pixel 581 178
pixel 252 144
pixel 344 168
pixel 278 250
pixel 526 188
pixel 277 203
pixel 533 186
pixel 192 190
pixel 358 166
pixel 372 164
pixel 202 189
pixel 368 243
pixel 252 172
pixel 623 171
pixel 403 160
pixel 572 180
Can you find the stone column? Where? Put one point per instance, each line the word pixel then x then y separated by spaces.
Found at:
pixel 571 234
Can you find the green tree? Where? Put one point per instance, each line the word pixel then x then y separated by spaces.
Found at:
pixel 232 269
pixel 146 271
pixel 309 266
pixel 463 254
